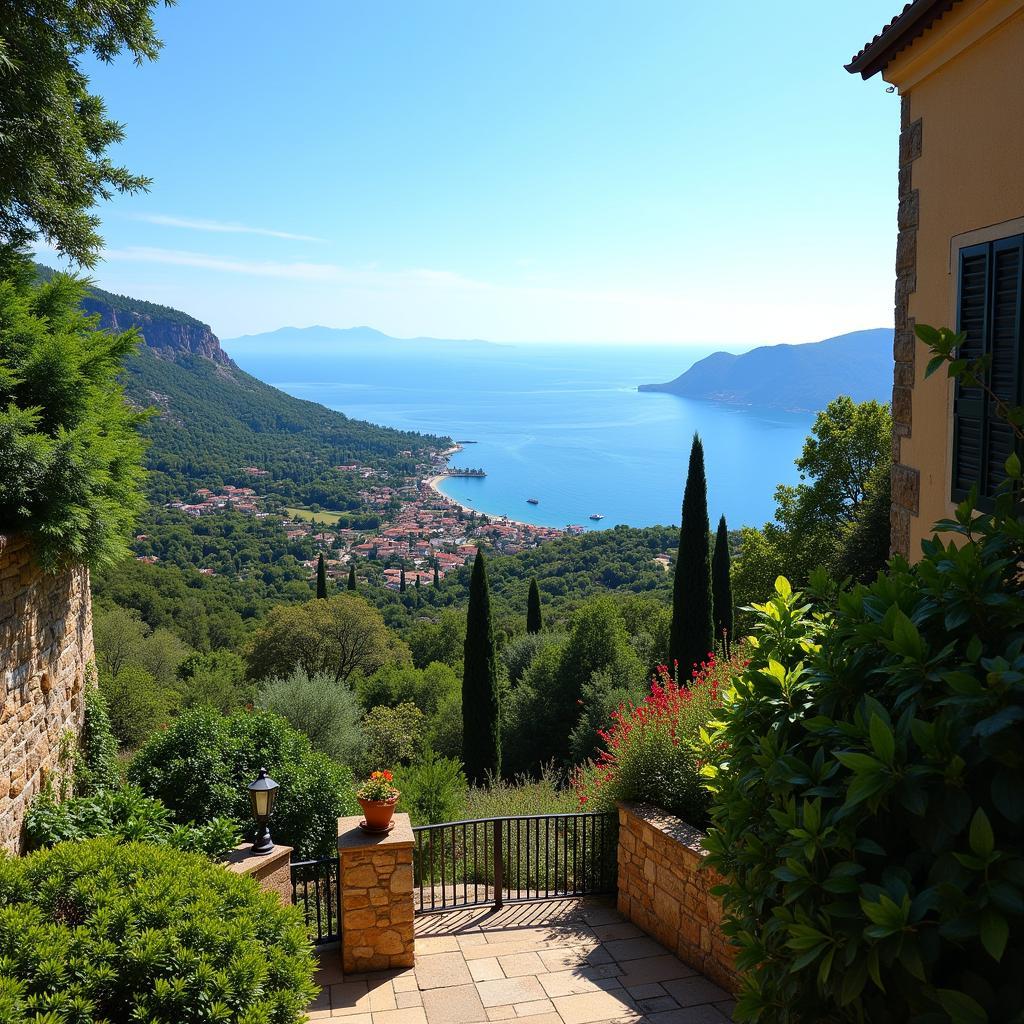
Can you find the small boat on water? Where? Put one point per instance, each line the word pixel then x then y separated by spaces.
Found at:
pixel 596 516
pixel 533 501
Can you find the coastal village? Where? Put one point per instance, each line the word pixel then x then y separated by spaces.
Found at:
pixel 423 532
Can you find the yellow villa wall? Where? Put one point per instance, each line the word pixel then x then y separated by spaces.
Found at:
pixel 964 79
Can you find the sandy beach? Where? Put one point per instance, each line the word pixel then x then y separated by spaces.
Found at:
pixel 434 483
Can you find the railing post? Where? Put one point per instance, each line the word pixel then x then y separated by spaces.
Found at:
pixel 499 864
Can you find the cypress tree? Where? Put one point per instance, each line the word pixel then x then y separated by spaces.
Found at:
pixel 481 715
pixel 321 577
pixel 691 636
pixel 534 622
pixel 721 588
pixel 401 581
pixel 437 578
pixel 352 577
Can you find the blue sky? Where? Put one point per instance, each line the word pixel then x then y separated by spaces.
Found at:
pixel 537 170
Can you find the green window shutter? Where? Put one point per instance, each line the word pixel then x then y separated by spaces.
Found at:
pixel 968 403
pixel 1006 264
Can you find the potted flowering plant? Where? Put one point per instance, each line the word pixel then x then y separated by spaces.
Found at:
pixel 377 797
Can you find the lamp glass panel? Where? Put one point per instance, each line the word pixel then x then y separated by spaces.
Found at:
pixel 261 802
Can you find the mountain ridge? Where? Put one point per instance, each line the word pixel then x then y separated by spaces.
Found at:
pixel 359 333
pixel 796 378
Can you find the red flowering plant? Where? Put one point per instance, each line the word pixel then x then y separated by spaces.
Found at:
pixel 649 749
pixel 378 787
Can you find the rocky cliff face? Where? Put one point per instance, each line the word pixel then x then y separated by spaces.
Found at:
pixel 170 338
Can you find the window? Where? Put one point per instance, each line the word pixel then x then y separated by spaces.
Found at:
pixel 990 303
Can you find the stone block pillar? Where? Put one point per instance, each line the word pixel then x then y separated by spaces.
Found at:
pixel 376 881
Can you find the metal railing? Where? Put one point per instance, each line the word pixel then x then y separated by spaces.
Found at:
pixel 492 861
pixel 315 890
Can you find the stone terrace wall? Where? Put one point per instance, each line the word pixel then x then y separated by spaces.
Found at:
pixel 45 645
pixel 664 888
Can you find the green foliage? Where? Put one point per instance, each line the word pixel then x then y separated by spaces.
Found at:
pixel 324 710
pixel 691 637
pixel 215 680
pixel 53 162
pixel 649 747
pixel 867 792
pixel 96 764
pixel 518 653
pixel 338 636
pixel 481 707
pixel 391 737
pixel 534 621
pixel 70 452
pixel 721 588
pixel 433 789
pixel 835 519
pixel 498 798
pixel 438 640
pixel 202 763
pixel 136 704
pixel 127 815
pixel 94 931
pixel 428 688
pixel 321 576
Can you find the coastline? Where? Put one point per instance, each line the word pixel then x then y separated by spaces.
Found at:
pixel 434 483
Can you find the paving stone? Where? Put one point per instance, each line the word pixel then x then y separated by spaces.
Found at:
pixel 321 1003
pixel 486 970
pixel 515 965
pixel 617 930
pixel 500 1012
pixel 441 970
pixel 412 1015
pixel 404 999
pixel 594 1006
pixel 654 968
pixel 382 997
pixel 486 949
pixel 703 1014
pixel 352 1018
pixel 427 944
pixel 727 1006
pixel 648 991
pixel 695 990
pixel 583 979
pixel 406 982
pixel 457 1005
pixel 349 997
pixel 510 990
pixel 654 1004
pixel 634 949
pixel 534 1008
pixel 566 957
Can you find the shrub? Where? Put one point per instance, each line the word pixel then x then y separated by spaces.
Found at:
pixel 649 748
pixel 868 811
pixel 201 765
pixel 70 452
pixel 96 764
pixel 136 704
pixel 128 815
pixel 326 711
pixel 433 789
pixel 94 931
pixel 523 795
pixel 391 736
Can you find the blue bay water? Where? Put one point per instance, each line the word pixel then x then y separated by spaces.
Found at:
pixel 564 424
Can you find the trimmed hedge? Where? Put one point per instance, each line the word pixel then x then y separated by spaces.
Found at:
pixel 94 931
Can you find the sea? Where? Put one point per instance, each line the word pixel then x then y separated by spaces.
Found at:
pixel 564 424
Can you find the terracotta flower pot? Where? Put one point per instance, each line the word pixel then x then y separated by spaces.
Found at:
pixel 378 813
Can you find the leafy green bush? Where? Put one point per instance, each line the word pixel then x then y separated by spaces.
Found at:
pixel 96 763
pixel 136 704
pixel 70 452
pixel 128 815
pixel 391 736
pixel 522 795
pixel 94 931
pixel 325 710
pixel 868 810
pixel 201 766
pixel 649 750
pixel 433 789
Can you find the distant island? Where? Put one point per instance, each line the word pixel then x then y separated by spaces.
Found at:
pixel 797 378
pixel 328 339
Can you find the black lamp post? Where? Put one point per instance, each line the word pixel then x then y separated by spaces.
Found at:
pixel 263 796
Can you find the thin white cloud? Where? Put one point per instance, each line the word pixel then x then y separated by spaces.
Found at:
pixel 220 227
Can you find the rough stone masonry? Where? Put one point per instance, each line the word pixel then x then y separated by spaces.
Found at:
pixel 45 648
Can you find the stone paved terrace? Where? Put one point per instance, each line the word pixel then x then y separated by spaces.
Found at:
pixel 567 962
